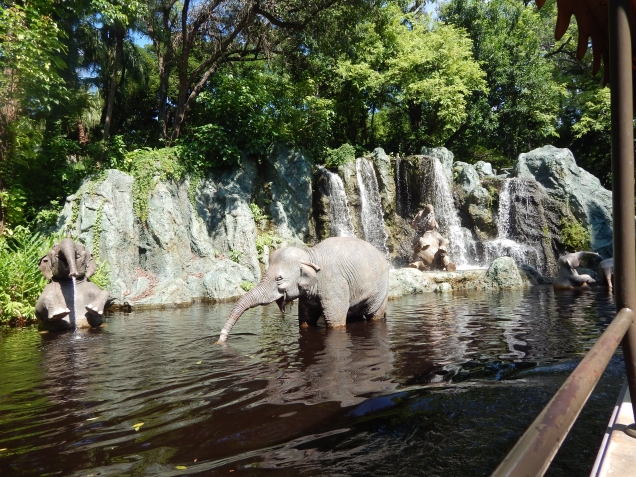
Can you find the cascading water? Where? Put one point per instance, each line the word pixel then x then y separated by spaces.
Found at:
pixel 72 316
pixel 339 218
pixel 402 186
pixel 504 245
pixel 372 215
pixel 436 191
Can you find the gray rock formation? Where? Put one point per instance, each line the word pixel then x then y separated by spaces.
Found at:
pixel 289 174
pixel 502 274
pixel 556 170
pixel 475 201
pixel 386 181
pixel 223 202
pixel 166 261
pixel 445 157
pixel 484 169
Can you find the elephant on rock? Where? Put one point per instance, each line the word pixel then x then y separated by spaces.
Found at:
pixel 62 306
pixel 430 248
pixel 340 278
pixel 567 277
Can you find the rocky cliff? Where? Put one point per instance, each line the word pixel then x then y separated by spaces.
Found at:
pixel 211 239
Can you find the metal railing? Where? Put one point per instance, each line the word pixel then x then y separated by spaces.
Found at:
pixel 534 451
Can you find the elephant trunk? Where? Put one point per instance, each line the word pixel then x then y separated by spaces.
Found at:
pixel 262 294
pixel 67 248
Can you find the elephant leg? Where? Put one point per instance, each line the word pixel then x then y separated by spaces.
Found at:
pixel 335 304
pixel 308 312
pixel 97 304
pixel 51 304
pixel 608 279
pixel 380 314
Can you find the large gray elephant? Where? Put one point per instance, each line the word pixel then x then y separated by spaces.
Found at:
pixel 567 276
pixel 340 277
pixel 62 306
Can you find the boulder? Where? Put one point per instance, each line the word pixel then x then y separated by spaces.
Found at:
pixel 445 157
pixel 556 170
pixel 484 169
pixel 223 281
pixel 467 176
pixel 503 274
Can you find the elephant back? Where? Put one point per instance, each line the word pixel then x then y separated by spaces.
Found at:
pixel 364 267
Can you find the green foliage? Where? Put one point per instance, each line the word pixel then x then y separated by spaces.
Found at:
pixel 519 108
pixel 235 255
pixel 258 213
pixel 574 236
pixel 245 109
pixel 247 286
pixel 334 158
pixel 101 277
pixel 148 167
pixel 266 240
pixel 32 44
pixel 21 281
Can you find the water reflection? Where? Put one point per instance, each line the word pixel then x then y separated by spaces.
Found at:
pixel 280 397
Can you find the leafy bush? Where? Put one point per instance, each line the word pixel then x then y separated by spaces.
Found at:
pixel 149 166
pixel 573 235
pixel 258 213
pixel 266 240
pixel 247 286
pixel 235 255
pixel 21 281
pixel 335 158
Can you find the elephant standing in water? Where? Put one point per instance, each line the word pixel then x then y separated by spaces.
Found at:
pixel 340 278
pixel 62 306
pixel 567 276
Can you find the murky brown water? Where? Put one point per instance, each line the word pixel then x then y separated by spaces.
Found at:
pixel 444 387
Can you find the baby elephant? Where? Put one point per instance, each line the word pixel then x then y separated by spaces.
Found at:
pixel 341 277
pixel 567 277
pixel 62 306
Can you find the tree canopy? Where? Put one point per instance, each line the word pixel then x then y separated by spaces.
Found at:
pixel 83 82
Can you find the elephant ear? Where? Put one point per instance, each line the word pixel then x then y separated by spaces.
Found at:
pixel 91 266
pixel 45 267
pixel 308 275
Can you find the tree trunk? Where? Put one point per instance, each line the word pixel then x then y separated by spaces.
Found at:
pixel 119 47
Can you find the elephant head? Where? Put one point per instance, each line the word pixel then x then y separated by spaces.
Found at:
pixel 290 274
pixel 67 259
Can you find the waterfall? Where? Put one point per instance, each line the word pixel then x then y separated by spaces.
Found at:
pixel 339 219
pixel 372 215
pixel 437 192
pixel 504 245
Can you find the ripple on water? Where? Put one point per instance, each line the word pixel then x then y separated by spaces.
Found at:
pixel 446 383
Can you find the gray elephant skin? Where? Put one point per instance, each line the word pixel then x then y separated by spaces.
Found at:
pixel 340 278
pixel 60 307
pixel 606 271
pixel 567 277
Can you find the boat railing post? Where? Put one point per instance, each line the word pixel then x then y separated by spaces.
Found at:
pixel 622 111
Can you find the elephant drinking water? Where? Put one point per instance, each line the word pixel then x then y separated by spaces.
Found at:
pixel 340 277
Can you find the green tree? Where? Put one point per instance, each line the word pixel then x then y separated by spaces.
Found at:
pixel 520 109
pixel 31 57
